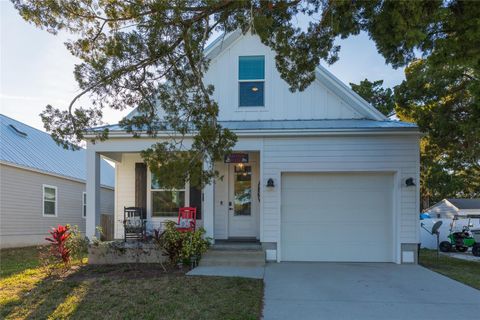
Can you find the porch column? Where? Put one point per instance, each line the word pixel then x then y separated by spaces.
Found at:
pixel 208 206
pixel 93 192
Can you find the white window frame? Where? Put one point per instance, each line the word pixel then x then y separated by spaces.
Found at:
pixel 252 108
pixel 149 197
pixel 43 200
pixel 84 205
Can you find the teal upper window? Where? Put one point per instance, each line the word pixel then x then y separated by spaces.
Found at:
pixel 251 77
pixel 251 68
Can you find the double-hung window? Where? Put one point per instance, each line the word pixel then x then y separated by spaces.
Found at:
pixel 251 81
pixel 84 204
pixel 166 202
pixel 49 201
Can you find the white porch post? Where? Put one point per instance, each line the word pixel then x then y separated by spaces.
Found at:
pixel 93 192
pixel 208 206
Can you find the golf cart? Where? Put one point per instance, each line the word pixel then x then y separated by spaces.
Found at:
pixel 462 240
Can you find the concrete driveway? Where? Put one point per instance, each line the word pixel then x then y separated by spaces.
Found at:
pixel 364 291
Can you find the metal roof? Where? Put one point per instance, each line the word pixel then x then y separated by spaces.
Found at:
pixel 28 147
pixel 323 124
pixel 465 203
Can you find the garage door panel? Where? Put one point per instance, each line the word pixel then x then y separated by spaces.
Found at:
pixel 330 181
pixel 337 252
pixel 333 232
pixel 337 217
pixel 323 215
pixel 323 201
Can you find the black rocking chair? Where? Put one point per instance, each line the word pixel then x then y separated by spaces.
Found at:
pixel 134 223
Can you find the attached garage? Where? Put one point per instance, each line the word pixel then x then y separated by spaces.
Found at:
pixel 344 217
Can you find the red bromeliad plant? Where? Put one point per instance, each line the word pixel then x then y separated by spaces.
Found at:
pixel 58 241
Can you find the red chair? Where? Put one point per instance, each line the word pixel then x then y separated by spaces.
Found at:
pixel 187 219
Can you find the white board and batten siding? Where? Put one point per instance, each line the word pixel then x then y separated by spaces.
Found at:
pixel 21 204
pixel 315 102
pixel 398 155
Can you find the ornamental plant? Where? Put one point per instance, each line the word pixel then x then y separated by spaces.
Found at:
pixel 58 243
pixel 182 247
pixel 76 243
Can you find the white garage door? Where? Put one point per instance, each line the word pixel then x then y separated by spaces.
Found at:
pixel 337 217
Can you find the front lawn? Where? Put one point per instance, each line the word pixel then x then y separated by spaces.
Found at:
pixel 467 272
pixel 120 292
pixel 17 260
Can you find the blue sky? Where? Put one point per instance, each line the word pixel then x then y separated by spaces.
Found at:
pixel 37 69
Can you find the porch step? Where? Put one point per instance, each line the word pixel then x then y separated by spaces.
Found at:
pixel 237 245
pixel 233 258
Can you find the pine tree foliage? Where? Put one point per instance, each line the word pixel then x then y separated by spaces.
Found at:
pixel 149 54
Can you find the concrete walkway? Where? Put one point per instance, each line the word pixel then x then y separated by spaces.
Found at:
pixel 364 291
pixel 229 271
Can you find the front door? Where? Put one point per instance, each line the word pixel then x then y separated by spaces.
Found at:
pixel 243 200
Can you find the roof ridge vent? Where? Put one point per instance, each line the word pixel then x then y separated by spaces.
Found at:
pixel 17 131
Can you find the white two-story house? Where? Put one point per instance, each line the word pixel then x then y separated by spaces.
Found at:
pixel 318 175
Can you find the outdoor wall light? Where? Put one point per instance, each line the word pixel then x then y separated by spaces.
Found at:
pixel 270 183
pixel 410 182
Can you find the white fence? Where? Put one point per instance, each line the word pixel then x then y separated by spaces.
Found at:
pixel 430 241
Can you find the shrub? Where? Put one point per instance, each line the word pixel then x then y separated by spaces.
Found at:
pixel 77 243
pixel 181 247
pixel 58 241
pixel 97 240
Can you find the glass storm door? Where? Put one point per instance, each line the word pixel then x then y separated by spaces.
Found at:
pixel 243 202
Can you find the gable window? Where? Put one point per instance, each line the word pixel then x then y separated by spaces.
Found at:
pixel 166 202
pixel 49 201
pixel 84 204
pixel 251 78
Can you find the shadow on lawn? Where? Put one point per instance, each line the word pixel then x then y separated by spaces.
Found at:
pixel 132 291
pixel 45 298
pixel 58 296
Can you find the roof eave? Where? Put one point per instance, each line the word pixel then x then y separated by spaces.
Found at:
pixel 53 174
pixel 278 132
pixel 342 90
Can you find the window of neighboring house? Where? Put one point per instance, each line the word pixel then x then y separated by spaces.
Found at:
pixel 49 201
pixel 166 202
pixel 84 204
pixel 251 78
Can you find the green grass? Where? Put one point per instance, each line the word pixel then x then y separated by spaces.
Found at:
pixel 17 260
pixel 467 272
pixel 121 292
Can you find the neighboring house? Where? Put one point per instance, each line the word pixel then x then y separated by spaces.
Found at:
pixel 318 175
pixel 447 208
pixel 42 185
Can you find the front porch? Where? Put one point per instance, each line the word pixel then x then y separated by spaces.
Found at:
pixel 228 208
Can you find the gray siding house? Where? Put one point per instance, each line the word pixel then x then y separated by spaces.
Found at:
pixel 42 185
